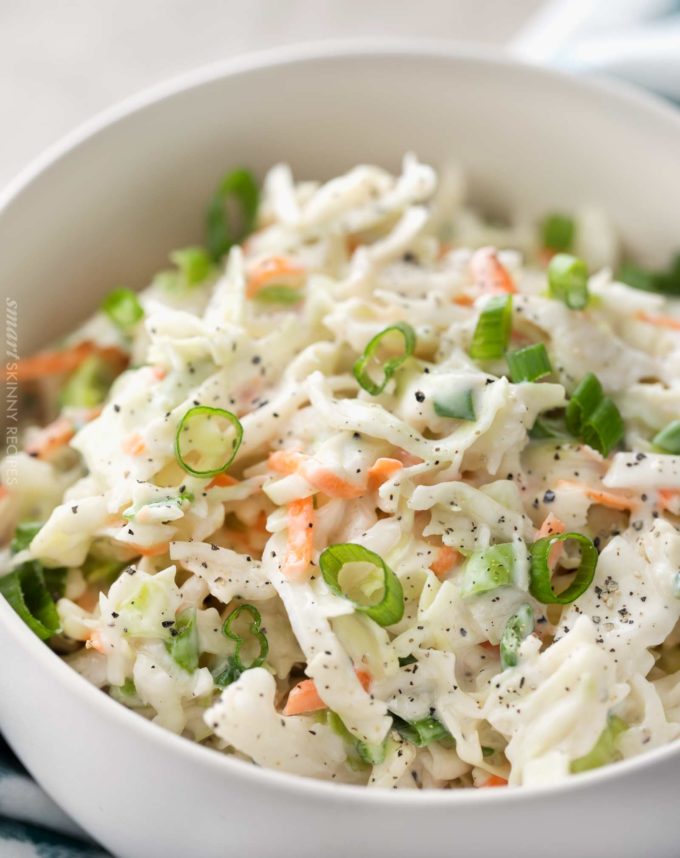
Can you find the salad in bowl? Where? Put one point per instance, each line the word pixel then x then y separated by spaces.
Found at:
pixel 367 489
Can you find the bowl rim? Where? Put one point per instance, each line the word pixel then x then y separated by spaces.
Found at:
pixel 627 95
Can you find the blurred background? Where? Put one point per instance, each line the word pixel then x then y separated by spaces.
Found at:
pixel 61 62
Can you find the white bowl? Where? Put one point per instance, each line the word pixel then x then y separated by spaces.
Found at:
pixel 105 207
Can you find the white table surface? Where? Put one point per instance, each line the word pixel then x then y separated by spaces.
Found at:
pixel 61 61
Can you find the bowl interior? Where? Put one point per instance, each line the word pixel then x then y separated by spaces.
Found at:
pixel 105 207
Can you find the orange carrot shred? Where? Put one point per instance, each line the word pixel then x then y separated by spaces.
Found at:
pixel 620 501
pixel 300 539
pixel 489 273
pixel 305 698
pixel 133 445
pixel 495 781
pixel 445 560
pixel 274 270
pixel 48 440
pixel 670 322
pixel 381 471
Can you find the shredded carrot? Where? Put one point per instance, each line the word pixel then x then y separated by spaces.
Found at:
pixel 445 560
pixel 148 551
pixel 61 362
pixel 300 539
pixel 489 273
pixel 95 642
pixel 305 698
pixel 158 372
pixel 621 500
pixel 382 469
pixel 323 479
pixel 495 781
pixel 54 436
pixel 408 459
pixel 550 527
pixel 133 445
pixel 329 482
pixel 285 461
pixel 222 480
pixel 273 271
pixel 464 300
pixel 668 498
pixel 670 322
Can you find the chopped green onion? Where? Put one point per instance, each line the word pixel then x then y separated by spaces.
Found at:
pixel 55 581
pixel 529 364
pixel 193 266
pixel 604 428
pixel 518 627
pixel 123 308
pixel 183 645
pixel 488 752
pixel 584 400
pixel 223 231
pixel 390 366
pixel 201 430
pixel 279 295
pixel 540 573
pixel 98 570
pixel 404 661
pixel 459 405
pixel 390 608
pixel 605 750
pixel 423 732
pixel 549 427
pixel 664 282
pixel 88 385
pixel 26 591
pixel 558 232
pixel 235 665
pixel 488 568
pixel 492 333
pixel 360 753
pixel 24 534
pixel 593 416
pixel 668 439
pixel 568 280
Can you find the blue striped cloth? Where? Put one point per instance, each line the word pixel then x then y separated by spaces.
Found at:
pixel 31 825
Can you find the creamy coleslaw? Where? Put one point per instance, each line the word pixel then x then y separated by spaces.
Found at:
pixel 368 489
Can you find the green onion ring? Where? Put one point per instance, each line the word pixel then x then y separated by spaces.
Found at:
pixel 209 412
pixel 540 574
pixel 390 366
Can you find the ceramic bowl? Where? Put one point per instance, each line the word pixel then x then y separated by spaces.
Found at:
pixel 106 205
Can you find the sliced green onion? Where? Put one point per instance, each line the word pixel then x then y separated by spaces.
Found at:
pixel 540 573
pixel 279 295
pixel 26 591
pixel 488 568
pixel 568 280
pixel 224 230
pixel 605 750
pixel 549 427
pixel 668 439
pixel 201 434
pixel 235 665
pixel 194 264
pixel 518 627
pixel 492 333
pixel 390 608
pixel 529 364
pixel 183 645
pixel 369 358
pixel 594 417
pixel 664 282
pixel 558 232
pixel 604 428
pixel 55 581
pixel 459 404
pixel 423 732
pixel 88 385
pixel 584 400
pixel 360 754
pixel 488 752
pixel 123 308
pixel 404 661
pixel 98 570
pixel 25 533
